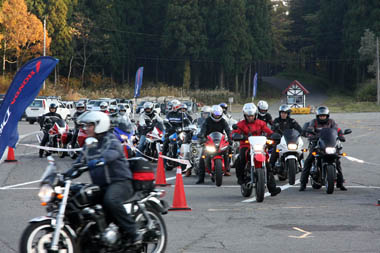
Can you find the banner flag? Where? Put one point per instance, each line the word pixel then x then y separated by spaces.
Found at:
pixel 24 88
pixel 138 81
pixel 255 85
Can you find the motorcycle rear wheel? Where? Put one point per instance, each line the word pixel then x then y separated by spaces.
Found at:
pixel 330 179
pixel 32 241
pixel 260 184
pixel 246 189
pixel 218 172
pixel 292 170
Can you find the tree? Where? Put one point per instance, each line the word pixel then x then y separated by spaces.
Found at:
pixel 367 51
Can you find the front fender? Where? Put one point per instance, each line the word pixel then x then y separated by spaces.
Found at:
pixel 160 205
pixel 291 157
pixel 260 157
pixel 53 222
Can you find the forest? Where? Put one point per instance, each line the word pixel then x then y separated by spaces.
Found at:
pixel 207 44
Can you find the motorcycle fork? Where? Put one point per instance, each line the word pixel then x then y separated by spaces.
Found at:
pixel 60 216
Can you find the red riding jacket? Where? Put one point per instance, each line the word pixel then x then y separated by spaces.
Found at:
pixel 257 128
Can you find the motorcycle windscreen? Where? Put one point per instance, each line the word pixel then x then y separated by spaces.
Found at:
pixel 328 137
pixel 216 137
pixel 291 135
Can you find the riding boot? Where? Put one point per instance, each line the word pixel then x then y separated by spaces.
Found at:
pixel 201 172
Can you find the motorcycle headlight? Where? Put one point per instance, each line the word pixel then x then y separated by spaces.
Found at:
pixel 330 151
pixel 182 136
pixel 124 137
pixel 292 146
pixel 210 149
pixel 258 148
pixel 46 193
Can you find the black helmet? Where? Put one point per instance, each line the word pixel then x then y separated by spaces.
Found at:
pixel 53 106
pixel 224 107
pixel 322 110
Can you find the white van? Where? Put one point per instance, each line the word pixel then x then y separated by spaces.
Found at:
pixel 40 106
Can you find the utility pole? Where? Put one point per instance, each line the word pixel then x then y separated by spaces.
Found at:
pixel 44 41
pixel 378 71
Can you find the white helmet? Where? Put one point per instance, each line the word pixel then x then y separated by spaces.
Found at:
pixel 216 113
pixel 175 105
pixel 80 107
pixel 112 110
pixel 205 111
pixel 103 106
pixel 249 109
pixel 148 108
pixel 99 119
pixel 263 107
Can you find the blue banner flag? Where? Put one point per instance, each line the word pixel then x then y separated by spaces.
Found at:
pixel 24 88
pixel 138 81
pixel 255 85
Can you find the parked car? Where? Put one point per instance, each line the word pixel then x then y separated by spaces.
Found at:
pixel 71 106
pixel 191 106
pixel 157 108
pixel 40 106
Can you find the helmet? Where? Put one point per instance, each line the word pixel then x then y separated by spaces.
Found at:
pixel 205 111
pixel 53 106
pixel 249 109
pixel 224 107
pixel 216 113
pixel 183 107
pixel 322 110
pixel 263 107
pixel 148 108
pixel 284 108
pixel 103 106
pixel 175 105
pixel 112 110
pixel 80 107
pixel 122 110
pixel 100 120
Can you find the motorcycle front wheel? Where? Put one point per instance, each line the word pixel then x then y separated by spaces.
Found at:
pixel 330 178
pixel 38 236
pixel 155 239
pixel 260 184
pixel 292 170
pixel 218 172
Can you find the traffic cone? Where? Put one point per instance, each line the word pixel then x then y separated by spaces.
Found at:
pixel 179 200
pixel 11 156
pixel 126 152
pixel 160 172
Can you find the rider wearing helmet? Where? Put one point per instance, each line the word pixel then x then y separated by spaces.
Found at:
pixel 184 110
pixel 175 119
pixel 114 177
pixel 43 124
pixel 205 113
pixel 214 123
pixel 104 107
pixel 113 113
pixel 280 124
pixel 81 108
pixel 322 120
pixel 263 113
pixel 224 106
pixel 251 126
pixel 147 121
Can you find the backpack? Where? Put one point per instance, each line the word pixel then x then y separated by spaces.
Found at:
pixel 142 174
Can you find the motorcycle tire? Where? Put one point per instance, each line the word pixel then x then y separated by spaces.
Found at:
pixel 61 154
pixel 246 189
pixel 159 242
pixel 260 184
pixel 330 178
pixel 292 170
pixel 28 243
pixel 73 155
pixel 218 172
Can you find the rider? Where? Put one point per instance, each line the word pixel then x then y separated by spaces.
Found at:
pixel 175 119
pixel 104 107
pixel 264 115
pixel 224 106
pixel 148 119
pixel 280 124
pixel 214 123
pixel 114 115
pixel 52 113
pixel 114 177
pixel 80 110
pixel 251 126
pixel 184 110
pixel 322 120
pixel 205 113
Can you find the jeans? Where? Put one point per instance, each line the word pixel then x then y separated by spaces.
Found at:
pixel 141 146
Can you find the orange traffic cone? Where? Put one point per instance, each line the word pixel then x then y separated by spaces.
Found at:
pixel 11 156
pixel 126 152
pixel 179 200
pixel 160 172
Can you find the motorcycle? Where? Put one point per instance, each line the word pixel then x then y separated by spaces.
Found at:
pixel 290 159
pixel 327 150
pixel 215 155
pixel 56 128
pixel 128 139
pixel 255 168
pixel 78 143
pixel 153 142
pixel 76 221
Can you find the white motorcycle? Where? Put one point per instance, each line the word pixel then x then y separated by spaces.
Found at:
pixel 290 160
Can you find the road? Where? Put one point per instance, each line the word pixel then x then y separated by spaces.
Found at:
pixel 222 220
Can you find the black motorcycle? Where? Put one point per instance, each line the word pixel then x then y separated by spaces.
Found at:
pixel 327 151
pixel 76 221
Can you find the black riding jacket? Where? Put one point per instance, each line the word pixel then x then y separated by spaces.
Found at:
pixel 280 125
pixel 210 126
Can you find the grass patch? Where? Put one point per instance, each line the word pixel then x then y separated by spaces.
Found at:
pixel 339 103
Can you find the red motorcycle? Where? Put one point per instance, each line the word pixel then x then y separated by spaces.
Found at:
pixel 56 128
pixel 67 137
pixel 216 155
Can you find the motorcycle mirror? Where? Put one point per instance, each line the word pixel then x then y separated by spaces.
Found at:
pixel 347 131
pixel 91 142
pixel 234 127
